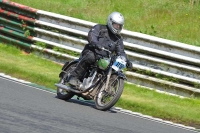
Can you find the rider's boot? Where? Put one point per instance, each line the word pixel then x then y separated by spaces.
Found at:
pixel 75 75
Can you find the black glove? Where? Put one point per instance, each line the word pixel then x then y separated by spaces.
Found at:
pixel 129 64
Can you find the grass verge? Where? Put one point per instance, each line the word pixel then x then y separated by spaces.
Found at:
pixel 30 67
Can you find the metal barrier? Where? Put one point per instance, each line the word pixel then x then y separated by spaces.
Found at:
pixel 158 63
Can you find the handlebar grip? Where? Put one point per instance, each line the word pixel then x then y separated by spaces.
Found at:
pixel 106 50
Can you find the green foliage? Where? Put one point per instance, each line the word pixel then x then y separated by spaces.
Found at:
pixel 197 85
pixel 159 76
pixel 148 72
pixel 23 25
pixel 58 49
pixel 41 44
pixel 64 51
pixel 27 32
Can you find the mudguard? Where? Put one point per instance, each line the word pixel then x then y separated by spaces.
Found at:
pixel 121 75
pixel 66 66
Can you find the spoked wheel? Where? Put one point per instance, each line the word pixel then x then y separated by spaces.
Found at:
pixel 62 93
pixel 105 100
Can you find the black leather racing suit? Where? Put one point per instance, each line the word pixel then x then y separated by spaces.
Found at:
pixel 98 36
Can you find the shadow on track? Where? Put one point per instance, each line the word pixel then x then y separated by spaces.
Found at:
pixel 89 103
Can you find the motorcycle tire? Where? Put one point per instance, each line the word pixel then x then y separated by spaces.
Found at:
pixel 61 93
pixel 100 104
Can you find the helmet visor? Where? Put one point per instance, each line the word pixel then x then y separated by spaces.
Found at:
pixel 117 26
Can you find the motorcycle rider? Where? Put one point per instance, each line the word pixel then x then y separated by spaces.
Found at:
pixel 99 36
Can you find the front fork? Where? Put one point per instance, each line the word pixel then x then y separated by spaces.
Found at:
pixel 108 79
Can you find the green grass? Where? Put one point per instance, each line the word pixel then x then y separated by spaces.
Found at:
pixel 28 66
pixel 174 20
pixel 44 72
pixel 160 105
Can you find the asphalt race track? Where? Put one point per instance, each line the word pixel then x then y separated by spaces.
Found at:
pixel 26 109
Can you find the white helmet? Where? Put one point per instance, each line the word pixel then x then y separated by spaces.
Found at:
pixel 115 22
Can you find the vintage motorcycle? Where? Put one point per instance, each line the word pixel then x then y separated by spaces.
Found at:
pixel 102 82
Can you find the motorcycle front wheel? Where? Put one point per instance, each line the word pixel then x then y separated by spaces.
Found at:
pixel 105 100
pixel 62 93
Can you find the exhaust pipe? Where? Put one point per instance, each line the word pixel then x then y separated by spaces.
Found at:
pixel 68 88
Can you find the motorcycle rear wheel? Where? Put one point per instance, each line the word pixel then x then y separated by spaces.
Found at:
pixel 62 93
pixel 104 101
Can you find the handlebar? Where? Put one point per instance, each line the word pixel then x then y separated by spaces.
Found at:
pixel 106 50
